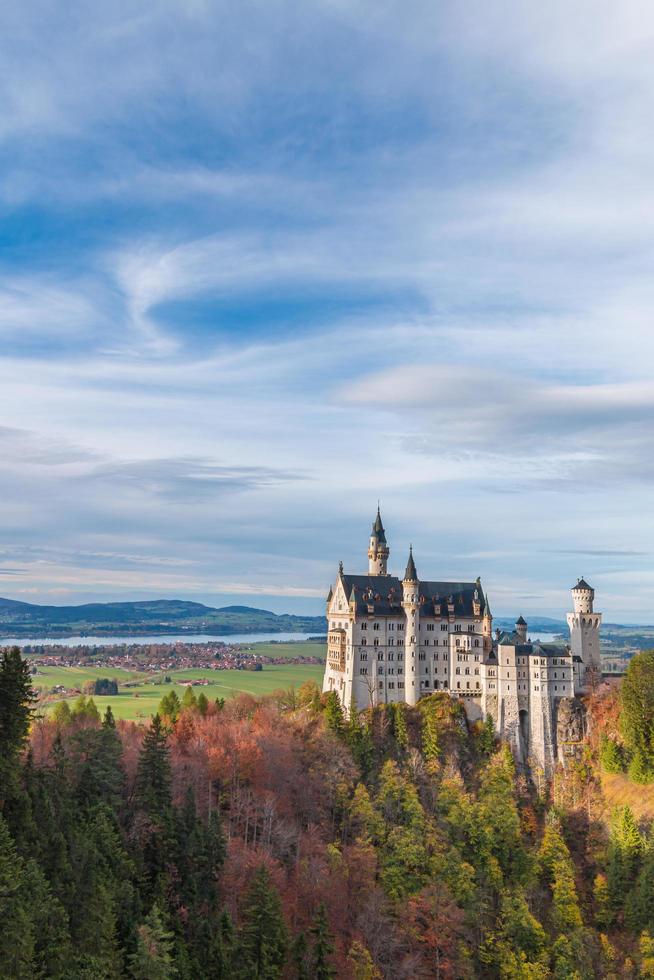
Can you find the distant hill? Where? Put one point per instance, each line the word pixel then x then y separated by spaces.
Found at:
pixel 537 624
pixel 143 618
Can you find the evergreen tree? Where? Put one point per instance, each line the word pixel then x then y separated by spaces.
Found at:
pixel 323 947
pixel 189 700
pixel 203 704
pixel 641 767
pixel 153 959
pixel 299 953
pixel 61 714
pixel 334 718
pixel 16 698
pixel 153 798
pixel 361 963
pixel 637 706
pixel 625 849
pixel 646 948
pixel 17 940
pixel 169 707
pixel 263 941
pixel 399 726
pixel 611 758
pixel 430 748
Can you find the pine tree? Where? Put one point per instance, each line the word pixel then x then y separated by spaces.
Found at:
pixel 334 718
pixel 153 958
pixel 153 798
pixel 601 901
pixel 203 703
pixel 189 700
pixel 611 758
pixel 641 769
pixel 625 849
pixel 17 940
pixel 169 707
pixel 321 968
pixel 263 941
pixel 566 914
pixel 299 953
pixel 637 706
pixel 399 726
pixel 430 748
pixel 16 697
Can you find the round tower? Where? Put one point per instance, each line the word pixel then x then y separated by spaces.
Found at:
pixel 378 550
pixel 521 629
pixel 411 606
pixel 584 626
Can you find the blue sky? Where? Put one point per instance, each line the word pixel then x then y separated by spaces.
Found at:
pixel 263 263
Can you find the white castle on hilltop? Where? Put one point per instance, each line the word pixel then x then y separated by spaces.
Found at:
pixel 399 640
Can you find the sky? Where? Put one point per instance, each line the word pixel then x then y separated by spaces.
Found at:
pixel 265 263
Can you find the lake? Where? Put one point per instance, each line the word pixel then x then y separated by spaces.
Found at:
pixel 112 641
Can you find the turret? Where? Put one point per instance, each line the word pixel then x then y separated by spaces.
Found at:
pixel 521 629
pixel 378 551
pixel 411 606
pixel 582 597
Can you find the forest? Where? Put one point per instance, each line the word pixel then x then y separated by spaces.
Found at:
pixel 273 837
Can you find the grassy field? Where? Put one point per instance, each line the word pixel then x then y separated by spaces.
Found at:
pixel 140 702
pixel 289 649
pixel 619 791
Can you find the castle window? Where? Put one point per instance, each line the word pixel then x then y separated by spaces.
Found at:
pixel 421 656
pixel 376 642
pixel 381 685
pixel 391 656
pixel 363 642
pixel 478 685
pixel 458 683
pixel 380 671
pixel 391 626
pixel 471 628
pixel 467 671
pixel 427 642
pixel 380 656
pixel 476 643
pixel 364 626
pixel 400 684
pixel 391 642
pixel 364 656
pixel 476 670
pixel 458 670
pixel 375 626
pixel 457 628
pixel 391 685
pixel 363 670
pixel 430 627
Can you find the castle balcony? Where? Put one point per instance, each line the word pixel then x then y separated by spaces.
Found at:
pixel 336 644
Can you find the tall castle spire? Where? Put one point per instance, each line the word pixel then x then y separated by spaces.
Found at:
pixel 378 550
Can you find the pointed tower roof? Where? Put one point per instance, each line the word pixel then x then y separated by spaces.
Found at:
pixel 378 528
pixel 520 621
pixel 411 574
pixel 582 586
pixel 487 608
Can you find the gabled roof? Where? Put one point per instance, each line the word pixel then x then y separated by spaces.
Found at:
pixel 386 595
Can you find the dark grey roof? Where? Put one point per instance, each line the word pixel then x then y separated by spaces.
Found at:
pixel 582 585
pixel 520 621
pixel 410 575
pixel 386 595
pixel 378 529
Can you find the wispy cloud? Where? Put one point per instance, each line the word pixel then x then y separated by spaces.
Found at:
pixel 288 260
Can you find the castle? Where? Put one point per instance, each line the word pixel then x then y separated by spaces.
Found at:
pixel 399 640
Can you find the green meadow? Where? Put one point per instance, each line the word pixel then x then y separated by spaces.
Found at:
pixel 141 701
